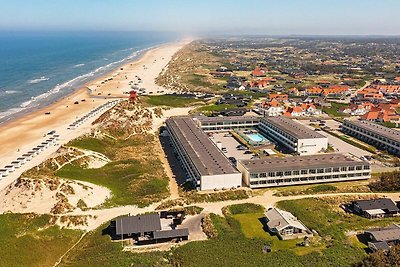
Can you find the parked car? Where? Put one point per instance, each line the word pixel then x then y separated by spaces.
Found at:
pixel 248 152
pixel 233 160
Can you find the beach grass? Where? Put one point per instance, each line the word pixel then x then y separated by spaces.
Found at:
pixel 29 240
pixel 97 249
pixel 173 101
pixel 241 238
pixel 135 175
pixel 209 109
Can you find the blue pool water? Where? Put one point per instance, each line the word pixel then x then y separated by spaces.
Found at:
pixel 256 137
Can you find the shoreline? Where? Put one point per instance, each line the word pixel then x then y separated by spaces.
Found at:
pixel 20 135
pixel 20 114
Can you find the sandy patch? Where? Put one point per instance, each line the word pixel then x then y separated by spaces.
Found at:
pixel 41 196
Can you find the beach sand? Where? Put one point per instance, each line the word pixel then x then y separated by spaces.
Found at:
pixel 19 136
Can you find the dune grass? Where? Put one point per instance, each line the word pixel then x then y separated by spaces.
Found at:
pixel 97 249
pixel 170 101
pixel 241 239
pixel 28 240
pixel 135 176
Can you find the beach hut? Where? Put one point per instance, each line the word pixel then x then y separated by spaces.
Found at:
pixel 45 144
pixel 22 160
pixel 36 150
pixel 10 168
pixel 28 156
pixel 16 164
pixel 3 172
pixel 41 147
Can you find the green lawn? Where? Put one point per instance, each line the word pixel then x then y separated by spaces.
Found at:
pixel 134 176
pixel 27 240
pixel 97 249
pixel 209 109
pixel 170 101
pixel 240 241
pixel 333 111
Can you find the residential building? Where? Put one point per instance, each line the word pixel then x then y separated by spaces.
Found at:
pixel 215 124
pixel 377 135
pixel 383 238
pixel 293 135
pixel 271 172
pixel 375 208
pixel 205 165
pixel 147 228
pixel 285 225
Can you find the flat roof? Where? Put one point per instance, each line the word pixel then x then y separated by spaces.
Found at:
pixel 203 119
pixel 377 129
pixel 208 159
pixel 295 129
pixel 300 162
pixel 171 233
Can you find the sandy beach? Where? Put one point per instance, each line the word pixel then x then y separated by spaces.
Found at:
pixel 21 135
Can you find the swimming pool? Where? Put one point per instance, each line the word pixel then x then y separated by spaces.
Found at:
pixel 256 137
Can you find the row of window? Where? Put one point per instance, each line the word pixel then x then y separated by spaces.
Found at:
pixel 371 134
pixel 309 171
pixel 268 127
pixel 306 179
pixel 228 123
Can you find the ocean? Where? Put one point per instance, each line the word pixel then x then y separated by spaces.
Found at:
pixel 37 68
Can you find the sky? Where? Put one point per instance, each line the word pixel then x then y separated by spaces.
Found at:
pixel 196 17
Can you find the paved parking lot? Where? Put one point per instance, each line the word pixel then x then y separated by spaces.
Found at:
pixel 230 143
pixel 339 145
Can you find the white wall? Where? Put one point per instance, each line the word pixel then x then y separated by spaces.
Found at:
pixel 211 182
pixel 245 173
pixel 311 146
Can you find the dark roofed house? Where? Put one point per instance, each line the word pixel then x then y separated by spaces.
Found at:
pixel 138 224
pixel 382 238
pixel 146 229
pixel 375 208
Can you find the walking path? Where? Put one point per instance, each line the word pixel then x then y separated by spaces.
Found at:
pixel 267 200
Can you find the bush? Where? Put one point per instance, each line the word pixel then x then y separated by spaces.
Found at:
pixel 389 181
pixel 208 227
pixel 245 208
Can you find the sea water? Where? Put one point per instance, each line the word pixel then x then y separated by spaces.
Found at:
pixel 37 68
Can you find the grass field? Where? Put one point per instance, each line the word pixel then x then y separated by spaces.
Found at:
pixel 28 240
pixel 96 249
pixel 333 111
pixel 135 176
pixel 209 109
pixel 170 101
pixel 241 238
pixel 342 187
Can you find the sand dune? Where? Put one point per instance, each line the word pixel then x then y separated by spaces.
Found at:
pixel 19 136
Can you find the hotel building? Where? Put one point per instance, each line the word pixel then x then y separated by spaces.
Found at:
pixel 216 124
pixel 206 166
pixel 298 170
pixel 293 135
pixel 377 135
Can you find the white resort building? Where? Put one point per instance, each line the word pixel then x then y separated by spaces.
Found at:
pixel 206 166
pixel 297 170
pixel 377 135
pixel 293 135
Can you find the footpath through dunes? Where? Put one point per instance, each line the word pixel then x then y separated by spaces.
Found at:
pixel 20 135
pixel 118 163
